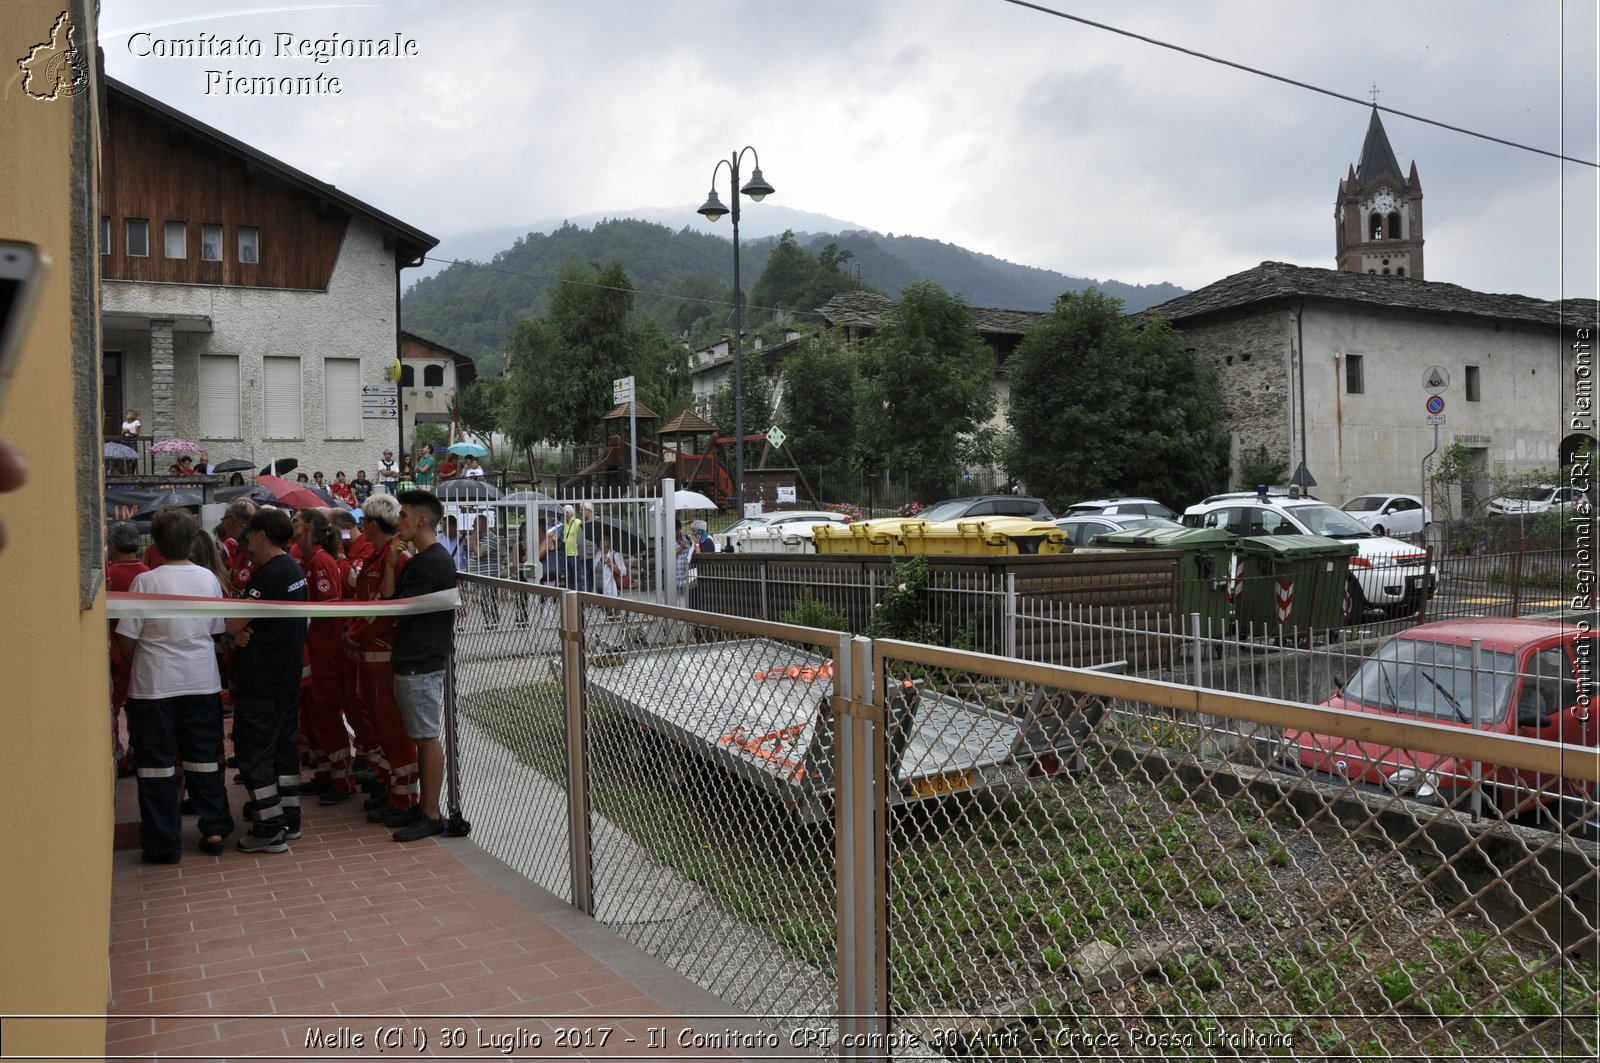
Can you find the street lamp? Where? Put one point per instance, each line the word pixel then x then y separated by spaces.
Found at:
pixel 757 189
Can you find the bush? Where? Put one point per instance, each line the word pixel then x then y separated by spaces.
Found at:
pixel 808 612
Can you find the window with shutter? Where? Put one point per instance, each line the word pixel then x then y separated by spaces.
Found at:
pixel 341 379
pixel 281 398
pixel 219 396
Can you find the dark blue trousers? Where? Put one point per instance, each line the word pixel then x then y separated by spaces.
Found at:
pixel 166 732
pixel 265 739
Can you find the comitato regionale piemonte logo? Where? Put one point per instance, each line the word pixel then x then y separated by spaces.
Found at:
pixel 54 68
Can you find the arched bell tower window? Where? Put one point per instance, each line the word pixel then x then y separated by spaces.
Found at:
pixel 1399 271
pixel 1394 225
pixel 433 376
pixel 1375 229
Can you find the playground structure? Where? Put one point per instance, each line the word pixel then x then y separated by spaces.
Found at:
pixel 688 450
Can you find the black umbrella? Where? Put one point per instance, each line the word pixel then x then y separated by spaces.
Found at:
pixel 182 497
pixel 233 465
pixel 281 466
pixel 524 496
pixel 467 489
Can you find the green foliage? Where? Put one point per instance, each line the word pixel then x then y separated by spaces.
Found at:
pixel 478 409
pixel 902 612
pixel 818 414
pixel 809 612
pixel 1261 468
pixel 562 364
pixel 924 384
pixel 757 404
pixel 795 279
pixel 429 435
pixel 1098 409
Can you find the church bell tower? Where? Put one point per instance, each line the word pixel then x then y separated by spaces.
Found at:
pixel 1378 213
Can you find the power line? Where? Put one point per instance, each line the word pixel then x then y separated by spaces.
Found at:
pixel 1297 84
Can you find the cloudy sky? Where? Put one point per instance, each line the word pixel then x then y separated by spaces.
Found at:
pixel 977 122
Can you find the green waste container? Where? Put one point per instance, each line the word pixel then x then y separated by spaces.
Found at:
pixel 1204 555
pixel 1293 581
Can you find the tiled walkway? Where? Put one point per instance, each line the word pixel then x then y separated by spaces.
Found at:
pixel 294 955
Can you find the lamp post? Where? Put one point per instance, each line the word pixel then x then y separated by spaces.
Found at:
pixel 757 189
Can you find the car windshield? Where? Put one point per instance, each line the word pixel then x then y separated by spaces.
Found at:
pixel 1365 504
pixel 1132 523
pixel 1434 681
pixel 944 511
pixel 1334 523
pixel 748 522
pixel 1531 494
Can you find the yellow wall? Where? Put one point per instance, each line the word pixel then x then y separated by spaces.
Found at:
pixel 56 787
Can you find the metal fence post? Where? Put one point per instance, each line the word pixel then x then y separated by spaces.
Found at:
pixel 766 607
pixel 579 854
pixel 860 857
pixel 1009 634
pixel 1516 577
pixel 456 825
pixel 1477 722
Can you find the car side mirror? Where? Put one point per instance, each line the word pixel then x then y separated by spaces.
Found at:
pixel 1338 683
pixel 1532 717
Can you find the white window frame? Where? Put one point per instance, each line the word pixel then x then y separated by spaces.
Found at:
pixel 219 397
pixel 341 398
pixel 136 233
pixel 213 246
pixel 105 234
pixel 282 409
pixel 181 231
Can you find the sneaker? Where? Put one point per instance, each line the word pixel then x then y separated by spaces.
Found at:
pixel 163 858
pixel 375 801
pixel 424 827
pixel 403 817
pixel 291 831
pixel 336 797
pixel 381 813
pixel 255 843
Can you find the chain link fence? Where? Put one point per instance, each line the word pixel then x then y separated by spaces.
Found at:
pixel 893 850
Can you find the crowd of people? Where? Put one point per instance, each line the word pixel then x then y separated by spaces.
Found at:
pixel 297 691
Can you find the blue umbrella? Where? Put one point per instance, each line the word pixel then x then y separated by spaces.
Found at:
pixel 466 449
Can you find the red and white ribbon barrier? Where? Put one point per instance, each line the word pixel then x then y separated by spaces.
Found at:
pixel 121 604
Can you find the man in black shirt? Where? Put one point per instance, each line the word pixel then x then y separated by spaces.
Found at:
pixel 422 646
pixel 267 677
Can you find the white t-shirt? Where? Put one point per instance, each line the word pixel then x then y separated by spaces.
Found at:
pixel 174 657
pixel 130 428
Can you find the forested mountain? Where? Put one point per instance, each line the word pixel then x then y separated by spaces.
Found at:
pixel 684 279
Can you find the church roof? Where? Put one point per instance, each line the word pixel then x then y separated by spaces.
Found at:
pixel 1274 281
pixel 1377 157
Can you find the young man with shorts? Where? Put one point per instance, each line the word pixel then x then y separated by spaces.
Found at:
pixel 422 647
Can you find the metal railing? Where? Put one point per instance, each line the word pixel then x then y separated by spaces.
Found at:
pixel 893 850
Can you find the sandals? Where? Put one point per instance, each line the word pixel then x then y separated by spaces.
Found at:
pixel 212 845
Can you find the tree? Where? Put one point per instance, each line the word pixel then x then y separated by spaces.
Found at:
pixel 925 387
pixel 562 364
pixel 818 414
pixel 757 404
pixel 478 409
pixel 1099 409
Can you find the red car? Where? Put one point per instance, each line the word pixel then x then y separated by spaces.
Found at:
pixel 1535 678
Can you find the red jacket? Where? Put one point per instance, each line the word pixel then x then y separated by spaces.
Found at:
pixel 375 634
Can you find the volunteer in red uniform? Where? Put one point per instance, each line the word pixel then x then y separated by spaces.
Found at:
pixel 324 721
pixel 353 551
pixel 371 641
pixel 234 522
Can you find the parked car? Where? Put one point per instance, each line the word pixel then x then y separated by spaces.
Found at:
pixel 778 532
pixel 1528 682
pixel 1081 528
pixel 986 506
pixel 1391 514
pixel 1536 498
pixel 1121 507
pixel 1384 572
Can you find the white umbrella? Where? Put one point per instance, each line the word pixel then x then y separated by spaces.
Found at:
pixel 691 500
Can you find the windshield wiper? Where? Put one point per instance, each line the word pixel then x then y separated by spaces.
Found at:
pixel 1451 698
pixel 1388 688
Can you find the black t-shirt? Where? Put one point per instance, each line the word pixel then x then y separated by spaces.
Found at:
pixel 270 665
pixel 422 642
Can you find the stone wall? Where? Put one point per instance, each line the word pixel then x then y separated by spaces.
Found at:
pixel 1249 352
